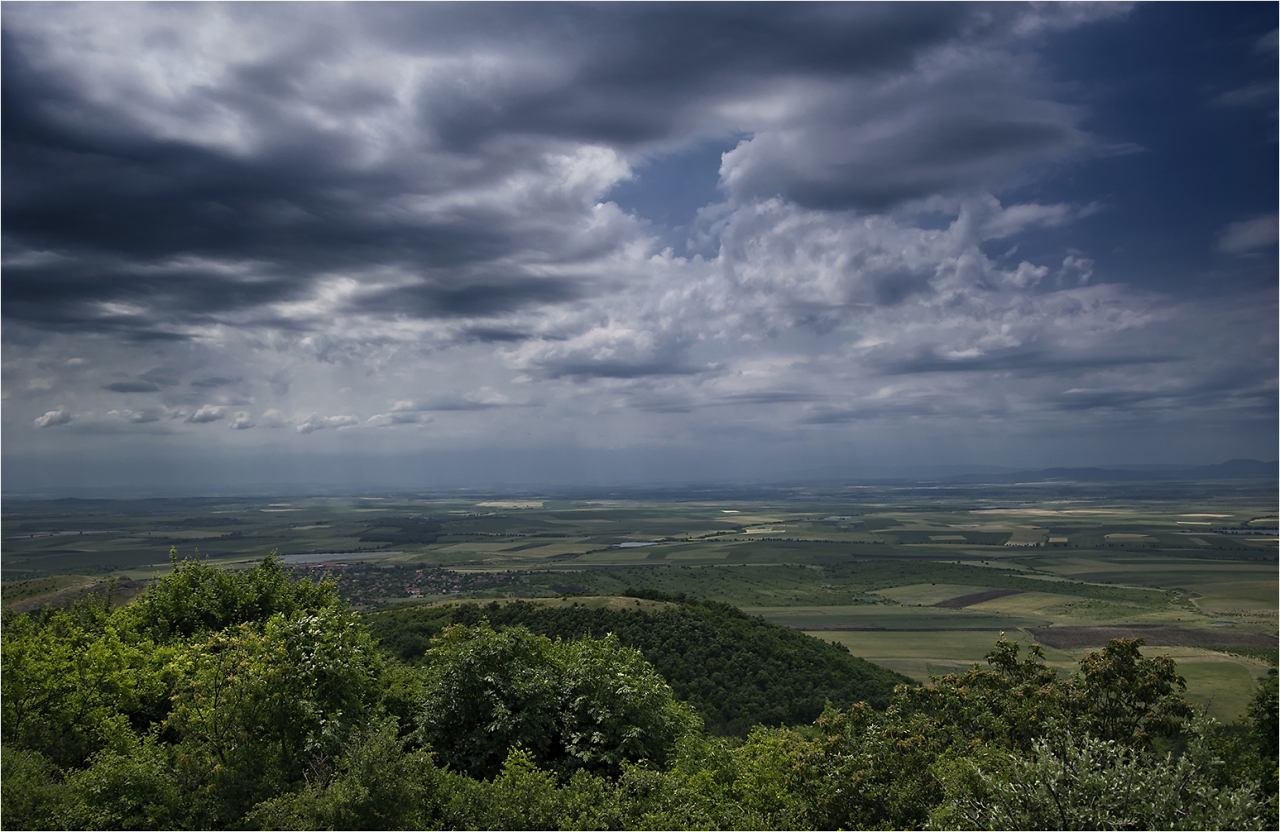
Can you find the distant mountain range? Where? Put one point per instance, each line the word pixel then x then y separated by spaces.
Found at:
pixel 1235 469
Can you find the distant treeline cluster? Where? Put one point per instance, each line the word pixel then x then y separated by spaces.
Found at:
pixel 247 700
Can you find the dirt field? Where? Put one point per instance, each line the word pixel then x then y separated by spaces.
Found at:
pixel 978 597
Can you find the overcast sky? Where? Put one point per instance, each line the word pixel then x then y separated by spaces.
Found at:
pixel 430 244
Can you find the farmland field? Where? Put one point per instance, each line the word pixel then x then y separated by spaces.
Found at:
pixel 921 580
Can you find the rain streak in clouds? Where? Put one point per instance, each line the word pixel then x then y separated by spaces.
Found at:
pixel 389 228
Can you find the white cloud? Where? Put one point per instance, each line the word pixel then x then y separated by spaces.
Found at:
pixel 138 417
pixel 241 421
pixel 273 418
pixel 1248 235
pixel 53 418
pixel 207 413
pixel 313 423
pixel 396 417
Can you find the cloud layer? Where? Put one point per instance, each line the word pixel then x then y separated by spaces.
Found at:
pixel 392 225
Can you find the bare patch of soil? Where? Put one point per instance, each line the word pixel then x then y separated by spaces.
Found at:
pixel 978 597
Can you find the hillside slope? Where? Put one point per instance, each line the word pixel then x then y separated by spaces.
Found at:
pixel 735 670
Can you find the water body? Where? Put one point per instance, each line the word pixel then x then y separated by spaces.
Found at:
pixel 634 545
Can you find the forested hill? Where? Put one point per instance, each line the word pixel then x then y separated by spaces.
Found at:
pixel 736 670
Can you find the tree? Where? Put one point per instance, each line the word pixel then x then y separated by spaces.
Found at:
pixel 377 784
pixel 199 598
pixel 75 678
pixel 588 704
pixel 258 707
pixel 1127 697
pixel 1083 781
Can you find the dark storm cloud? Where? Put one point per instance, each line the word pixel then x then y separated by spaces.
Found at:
pixel 439 299
pixel 640 73
pixel 494 335
pixel 132 387
pixel 119 202
pixel 152 381
pixel 872 411
pixel 119 206
pixel 770 397
pixel 215 381
pixel 88 293
pixel 446 404
pixel 161 376
pixel 1237 387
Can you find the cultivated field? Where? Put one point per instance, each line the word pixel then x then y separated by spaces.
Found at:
pixel 921 580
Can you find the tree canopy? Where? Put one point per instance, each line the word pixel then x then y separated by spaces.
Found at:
pixel 265 704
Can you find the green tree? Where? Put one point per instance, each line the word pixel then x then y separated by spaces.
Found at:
pixel 588 704
pixel 1130 698
pixel 200 598
pixel 1083 781
pixel 74 679
pixel 612 706
pixel 130 784
pixel 377 784
pixel 32 795
pixel 1263 724
pixel 258 707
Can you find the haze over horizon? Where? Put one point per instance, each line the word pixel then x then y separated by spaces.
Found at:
pixel 436 244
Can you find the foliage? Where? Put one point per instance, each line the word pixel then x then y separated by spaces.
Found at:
pixel 1130 698
pixel 199 598
pixel 377 784
pixel 1084 781
pixel 588 704
pixel 737 671
pixel 1264 721
pixel 74 678
pixel 32 791
pixel 266 705
pixel 263 706
pixel 129 785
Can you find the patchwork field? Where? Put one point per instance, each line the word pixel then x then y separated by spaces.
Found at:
pixel 921 580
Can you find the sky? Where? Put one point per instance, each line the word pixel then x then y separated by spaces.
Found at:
pixel 438 245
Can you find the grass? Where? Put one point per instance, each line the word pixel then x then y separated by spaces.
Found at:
pixel 35 588
pixel 888 618
pixel 922 655
pixel 1223 684
pixel 927 594
pixel 1259 593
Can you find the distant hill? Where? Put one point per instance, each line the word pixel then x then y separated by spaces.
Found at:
pixel 1241 469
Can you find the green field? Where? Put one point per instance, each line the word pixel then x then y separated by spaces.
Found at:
pixel 921 580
